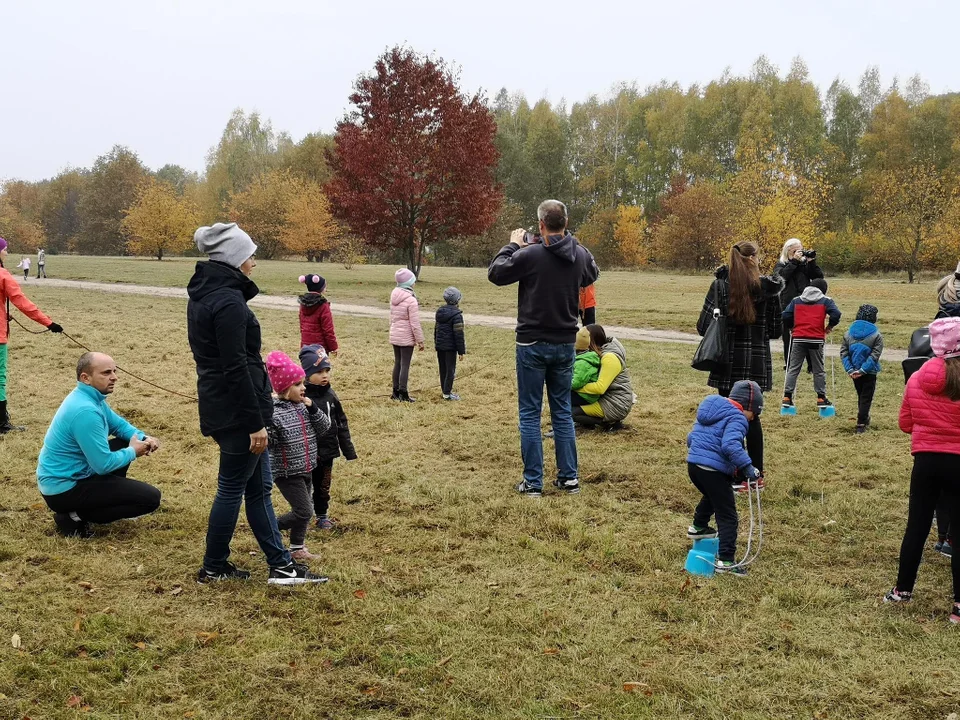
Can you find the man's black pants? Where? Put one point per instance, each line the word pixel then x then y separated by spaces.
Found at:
pixel 106 498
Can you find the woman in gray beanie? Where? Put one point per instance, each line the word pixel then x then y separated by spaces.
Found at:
pixel 235 404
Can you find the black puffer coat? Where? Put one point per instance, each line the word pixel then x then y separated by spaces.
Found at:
pixel 448 330
pixel 796 277
pixel 337 438
pixel 224 335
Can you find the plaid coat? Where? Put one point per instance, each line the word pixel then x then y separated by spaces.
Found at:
pixel 748 346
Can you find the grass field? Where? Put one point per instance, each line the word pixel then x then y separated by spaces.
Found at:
pixel 451 597
pixel 632 299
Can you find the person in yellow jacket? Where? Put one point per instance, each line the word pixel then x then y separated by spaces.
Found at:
pixel 10 292
pixel 613 385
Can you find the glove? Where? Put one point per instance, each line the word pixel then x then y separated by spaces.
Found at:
pixel 53 327
pixel 751 473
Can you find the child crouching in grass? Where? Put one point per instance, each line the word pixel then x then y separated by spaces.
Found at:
pixel 717 451
pixel 293 432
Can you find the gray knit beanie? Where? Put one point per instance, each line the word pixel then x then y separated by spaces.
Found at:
pixel 452 295
pixel 226 243
pixel 747 393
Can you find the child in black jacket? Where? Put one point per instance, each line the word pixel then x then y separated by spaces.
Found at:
pixel 316 366
pixel 449 341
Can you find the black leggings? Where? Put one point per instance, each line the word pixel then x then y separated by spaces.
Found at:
pixel 106 498
pixel 402 355
pixel 447 359
pixel 754 440
pixel 717 500
pixel 934 474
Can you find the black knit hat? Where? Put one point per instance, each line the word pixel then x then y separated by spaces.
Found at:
pixel 868 313
pixel 315 283
pixel 313 358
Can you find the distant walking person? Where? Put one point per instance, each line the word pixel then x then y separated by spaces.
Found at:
pixel 41 264
pixel 10 292
pixel 754 318
pixel 235 404
pixel 25 265
pixel 549 274
pixel 405 331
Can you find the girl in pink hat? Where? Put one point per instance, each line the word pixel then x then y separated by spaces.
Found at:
pixel 405 331
pixel 293 432
pixel 931 414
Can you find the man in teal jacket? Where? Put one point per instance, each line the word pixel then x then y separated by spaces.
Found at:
pixel 81 471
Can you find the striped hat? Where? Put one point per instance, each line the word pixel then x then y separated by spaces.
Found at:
pixel 747 394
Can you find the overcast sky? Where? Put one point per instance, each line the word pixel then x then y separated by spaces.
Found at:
pixel 162 77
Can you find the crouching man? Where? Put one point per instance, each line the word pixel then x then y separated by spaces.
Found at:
pixel 82 470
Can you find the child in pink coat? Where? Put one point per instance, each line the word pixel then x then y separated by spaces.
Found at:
pixel 405 331
pixel 931 414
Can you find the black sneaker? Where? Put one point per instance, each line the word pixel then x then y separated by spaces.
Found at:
pixel 860 429
pixel 570 486
pixel 68 527
pixel 528 491
pixel 823 402
pixel 944 548
pixel 294 574
pixel 730 568
pixel 229 571
pixel 701 533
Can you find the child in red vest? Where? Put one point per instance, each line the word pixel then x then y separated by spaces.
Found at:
pixel 316 320
pixel 810 316
pixel 931 414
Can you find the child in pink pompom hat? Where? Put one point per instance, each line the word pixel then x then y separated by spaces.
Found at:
pixel 293 432
pixel 930 413
pixel 316 320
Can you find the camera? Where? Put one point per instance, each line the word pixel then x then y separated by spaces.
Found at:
pixel 810 254
pixel 532 237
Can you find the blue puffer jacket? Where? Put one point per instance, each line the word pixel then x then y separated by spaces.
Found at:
pixel 861 348
pixel 716 440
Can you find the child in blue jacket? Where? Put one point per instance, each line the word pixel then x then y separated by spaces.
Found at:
pixel 717 451
pixel 860 353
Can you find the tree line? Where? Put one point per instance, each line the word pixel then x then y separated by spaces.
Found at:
pixel 417 171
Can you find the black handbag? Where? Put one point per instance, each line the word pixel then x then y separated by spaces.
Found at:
pixel 711 354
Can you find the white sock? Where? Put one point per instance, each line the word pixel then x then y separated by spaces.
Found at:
pixel 75 517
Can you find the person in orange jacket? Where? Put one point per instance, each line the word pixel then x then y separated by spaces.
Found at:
pixel 10 292
pixel 588 305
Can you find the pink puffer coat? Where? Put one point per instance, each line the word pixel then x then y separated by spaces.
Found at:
pixel 405 329
pixel 931 418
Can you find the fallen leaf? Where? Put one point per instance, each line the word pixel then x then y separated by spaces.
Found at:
pixel 85 585
pixel 76 625
pixel 633 686
pixel 443 662
pixel 403 671
pixel 82 652
pixel 38 506
pixel 493 584
pixel 156 667
pixel 15 641
pixel 74 701
pixel 372 690
pixel 158 589
pixel 551 651
pixel 139 569
pixel 360 594
pixel 205 638
pixel 140 645
pixel 189 714
pixel 376 569
pixel 176 590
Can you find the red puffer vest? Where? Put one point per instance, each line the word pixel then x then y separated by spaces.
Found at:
pixel 931 418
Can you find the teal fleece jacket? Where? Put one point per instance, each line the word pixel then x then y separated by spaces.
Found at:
pixel 76 445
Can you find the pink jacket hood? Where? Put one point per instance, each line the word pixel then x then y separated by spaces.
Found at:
pixel 931 418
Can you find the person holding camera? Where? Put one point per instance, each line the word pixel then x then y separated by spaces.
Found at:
pixel 798 268
pixel 550 270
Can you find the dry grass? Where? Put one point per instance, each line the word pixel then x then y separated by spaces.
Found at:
pixel 450 596
pixel 631 299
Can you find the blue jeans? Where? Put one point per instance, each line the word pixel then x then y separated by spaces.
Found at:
pixel 243 476
pixel 551 364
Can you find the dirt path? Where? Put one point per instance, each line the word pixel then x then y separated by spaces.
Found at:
pixel 368 311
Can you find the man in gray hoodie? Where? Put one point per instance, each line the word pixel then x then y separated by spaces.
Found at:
pixel 549 272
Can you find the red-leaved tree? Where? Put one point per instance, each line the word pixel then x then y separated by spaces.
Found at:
pixel 414 161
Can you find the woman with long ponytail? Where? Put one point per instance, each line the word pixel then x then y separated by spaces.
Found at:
pixel 751 304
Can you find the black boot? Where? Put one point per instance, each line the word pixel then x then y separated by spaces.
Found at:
pixel 396 395
pixel 405 396
pixel 5 425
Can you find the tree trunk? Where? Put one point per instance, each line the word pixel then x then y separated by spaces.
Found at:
pixel 160 253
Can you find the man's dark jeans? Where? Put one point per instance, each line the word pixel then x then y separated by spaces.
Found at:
pixel 551 365
pixel 244 477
